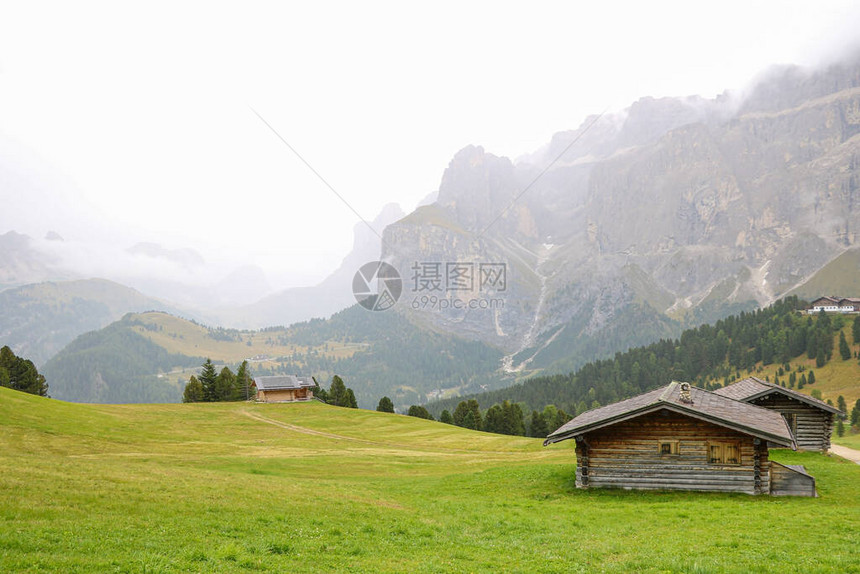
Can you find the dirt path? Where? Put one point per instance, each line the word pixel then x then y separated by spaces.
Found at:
pixel 845 452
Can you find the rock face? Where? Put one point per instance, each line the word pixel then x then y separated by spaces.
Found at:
pixel 676 211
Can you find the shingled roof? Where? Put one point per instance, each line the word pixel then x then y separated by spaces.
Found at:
pixel 711 407
pixel 753 388
pixel 280 382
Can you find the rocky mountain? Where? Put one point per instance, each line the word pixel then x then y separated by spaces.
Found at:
pixel 637 224
pixel 674 212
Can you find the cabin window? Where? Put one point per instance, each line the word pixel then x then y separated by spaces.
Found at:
pixel 669 447
pixel 724 453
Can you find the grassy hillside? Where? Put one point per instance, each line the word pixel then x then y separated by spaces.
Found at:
pixel 840 277
pixel 376 353
pixel 38 320
pixel 836 378
pixel 310 488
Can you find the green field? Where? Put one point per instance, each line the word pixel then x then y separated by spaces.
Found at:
pixel 313 488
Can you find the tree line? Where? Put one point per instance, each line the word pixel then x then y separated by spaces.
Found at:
pixel 211 386
pixel 502 418
pixel 709 356
pixel 338 394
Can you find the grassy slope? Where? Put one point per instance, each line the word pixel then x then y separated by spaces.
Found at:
pixel 181 336
pixel 839 277
pixel 235 487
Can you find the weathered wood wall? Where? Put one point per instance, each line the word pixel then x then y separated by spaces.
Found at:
pixel 277 396
pixel 285 395
pixel 786 481
pixel 627 455
pixel 814 425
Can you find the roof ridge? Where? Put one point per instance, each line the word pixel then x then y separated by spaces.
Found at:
pixel 804 396
pixel 762 381
pixel 665 392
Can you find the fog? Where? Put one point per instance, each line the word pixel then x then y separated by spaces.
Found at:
pixel 122 124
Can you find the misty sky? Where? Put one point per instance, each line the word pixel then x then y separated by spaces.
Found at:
pixel 132 122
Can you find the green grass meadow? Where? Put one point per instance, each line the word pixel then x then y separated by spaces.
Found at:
pixel 313 488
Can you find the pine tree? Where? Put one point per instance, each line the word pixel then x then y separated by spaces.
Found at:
pixel 554 417
pixel 537 425
pixel 844 349
pixel 320 392
pixel 840 427
pixel 463 409
pixel 821 357
pixel 855 330
pixel 810 380
pixel 7 358
pixel 385 405
pixel 512 417
pixel 470 422
pixel 337 392
pixel 840 404
pixel 350 399
pixel 193 391
pixel 208 379
pixel 446 417
pixel 243 382
pixel 225 385
pixel 494 419
pixel 855 414
pixel 812 345
pixel 21 374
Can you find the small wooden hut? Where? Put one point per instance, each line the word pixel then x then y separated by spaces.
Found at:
pixel 284 388
pixel 810 420
pixel 683 438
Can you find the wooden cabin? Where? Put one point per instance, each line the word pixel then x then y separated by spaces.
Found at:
pixel 284 388
pixel 680 437
pixel 810 420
